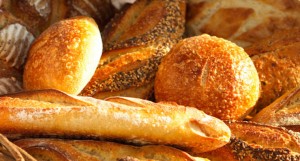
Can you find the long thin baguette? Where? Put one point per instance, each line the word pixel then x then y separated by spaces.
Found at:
pixel 134 120
pixel 76 150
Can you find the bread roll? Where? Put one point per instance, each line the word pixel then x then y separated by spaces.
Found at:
pixel 211 74
pixel 52 113
pixel 283 112
pixel 134 42
pixel 277 61
pixel 64 57
pixel 76 150
pixel 252 141
pixel 242 22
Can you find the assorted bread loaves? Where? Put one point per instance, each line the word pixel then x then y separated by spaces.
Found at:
pixel 222 77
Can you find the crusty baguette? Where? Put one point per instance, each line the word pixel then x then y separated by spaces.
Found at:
pixel 134 43
pixel 256 142
pixel 284 111
pixel 55 113
pixel 76 150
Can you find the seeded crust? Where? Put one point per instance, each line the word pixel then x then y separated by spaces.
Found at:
pixel 135 41
pixel 252 141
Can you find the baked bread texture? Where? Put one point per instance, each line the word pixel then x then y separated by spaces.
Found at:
pixel 134 43
pixel 211 74
pixel 242 22
pixel 53 113
pixel 252 141
pixel 277 61
pixel 283 112
pixel 77 150
pixel 64 56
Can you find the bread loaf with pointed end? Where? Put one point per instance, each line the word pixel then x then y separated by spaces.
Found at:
pixel 64 57
pixel 131 120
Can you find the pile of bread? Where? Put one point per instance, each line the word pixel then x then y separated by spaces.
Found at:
pixel 150 80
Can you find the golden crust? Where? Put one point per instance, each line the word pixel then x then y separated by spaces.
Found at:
pixel 211 74
pixel 47 114
pixel 93 150
pixel 277 61
pixel 284 111
pixel 64 57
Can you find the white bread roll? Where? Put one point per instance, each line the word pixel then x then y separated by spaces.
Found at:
pixel 65 56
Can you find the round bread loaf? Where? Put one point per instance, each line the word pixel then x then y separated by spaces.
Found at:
pixel 209 73
pixel 64 57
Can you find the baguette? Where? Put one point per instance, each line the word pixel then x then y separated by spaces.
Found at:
pixel 256 142
pixel 53 113
pixel 283 112
pixel 76 150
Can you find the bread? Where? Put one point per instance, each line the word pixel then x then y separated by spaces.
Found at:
pixel 283 112
pixel 211 74
pixel 64 56
pixel 242 22
pixel 252 141
pixel 15 40
pixel 58 150
pixel 277 61
pixel 52 113
pixel 134 42
pixel 10 79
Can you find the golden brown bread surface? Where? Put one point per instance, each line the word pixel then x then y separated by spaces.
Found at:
pixel 277 60
pixel 134 42
pixel 76 150
pixel 51 113
pixel 242 22
pixel 284 111
pixel 64 57
pixel 252 141
pixel 211 74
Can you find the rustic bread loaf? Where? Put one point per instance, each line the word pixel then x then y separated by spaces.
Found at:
pixel 242 22
pixel 134 42
pixel 277 61
pixel 77 150
pixel 64 57
pixel 52 113
pixel 211 74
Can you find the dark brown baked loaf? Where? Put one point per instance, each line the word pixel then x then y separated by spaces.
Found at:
pixel 77 150
pixel 134 42
pixel 257 142
pixel 211 74
pixel 277 61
